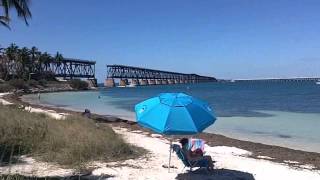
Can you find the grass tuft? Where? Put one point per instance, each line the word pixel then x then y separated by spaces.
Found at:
pixel 72 142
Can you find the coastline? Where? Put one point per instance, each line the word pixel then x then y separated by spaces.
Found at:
pixel 291 157
pixel 235 159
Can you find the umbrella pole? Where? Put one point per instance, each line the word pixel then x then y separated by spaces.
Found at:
pixel 170 154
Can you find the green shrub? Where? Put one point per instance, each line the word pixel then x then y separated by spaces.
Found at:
pixel 32 83
pixel 72 142
pixel 18 83
pixel 6 88
pixel 78 84
pixel 43 82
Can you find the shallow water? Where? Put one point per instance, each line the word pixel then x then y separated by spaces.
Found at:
pixel 285 114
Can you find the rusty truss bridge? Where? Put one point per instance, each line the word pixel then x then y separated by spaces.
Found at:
pixel 71 68
pixel 132 76
pixel 67 68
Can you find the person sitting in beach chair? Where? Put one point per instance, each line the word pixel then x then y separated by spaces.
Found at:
pixel 195 147
pixel 193 158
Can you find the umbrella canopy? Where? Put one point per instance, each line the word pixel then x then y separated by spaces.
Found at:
pixel 174 113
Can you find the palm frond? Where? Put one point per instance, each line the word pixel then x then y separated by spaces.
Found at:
pixel 4 21
pixel 5 5
pixel 22 8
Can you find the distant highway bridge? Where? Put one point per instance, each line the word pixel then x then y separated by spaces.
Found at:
pixel 302 79
pixel 143 76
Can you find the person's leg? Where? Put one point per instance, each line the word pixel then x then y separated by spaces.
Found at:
pixel 210 162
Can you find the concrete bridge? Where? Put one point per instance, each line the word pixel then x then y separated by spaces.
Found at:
pixel 129 75
pixel 301 79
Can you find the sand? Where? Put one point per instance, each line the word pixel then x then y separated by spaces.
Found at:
pixel 4 102
pixel 231 163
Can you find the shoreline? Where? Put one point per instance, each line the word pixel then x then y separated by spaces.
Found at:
pixel 231 161
pixel 293 158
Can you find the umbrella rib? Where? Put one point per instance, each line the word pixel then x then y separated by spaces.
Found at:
pixel 192 121
pixel 165 125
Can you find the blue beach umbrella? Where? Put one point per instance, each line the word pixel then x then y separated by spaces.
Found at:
pixel 174 114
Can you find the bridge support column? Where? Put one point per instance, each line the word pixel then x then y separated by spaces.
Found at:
pixel 135 82
pixel 158 81
pixel 152 82
pixel 170 81
pixel 123 82
pixel 164 81
pixel 143 82
pixel 109 82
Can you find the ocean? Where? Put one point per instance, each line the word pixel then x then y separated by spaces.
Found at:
pixel 277 113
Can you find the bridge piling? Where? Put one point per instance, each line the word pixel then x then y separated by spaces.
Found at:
pixel 109 82
pixel 164 81
pixel 143 82
pixel 152 82
pixel 123 82
pixel 171 81
pixel 135 82
pixel 158 82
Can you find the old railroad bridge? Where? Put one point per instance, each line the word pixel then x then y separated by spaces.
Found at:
pixel 70 68
pixel 129 75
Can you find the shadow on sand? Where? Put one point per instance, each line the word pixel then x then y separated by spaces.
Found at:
pixel 217 174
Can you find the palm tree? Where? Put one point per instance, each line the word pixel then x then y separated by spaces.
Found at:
pixel 11 52
pixel 3 68
pixel 45 59
pixel 10 55
pixel 25 61
pixel 58 58
pixel 35 54
pixel 21 7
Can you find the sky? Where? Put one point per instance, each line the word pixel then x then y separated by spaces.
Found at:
pixel 227 39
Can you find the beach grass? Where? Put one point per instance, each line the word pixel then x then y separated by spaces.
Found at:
pixel 73 142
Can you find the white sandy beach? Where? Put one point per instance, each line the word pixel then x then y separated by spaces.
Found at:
pixel 231 163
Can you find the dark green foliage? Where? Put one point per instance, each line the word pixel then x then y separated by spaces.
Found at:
pixel 49 76
pixel 27 63
pixel 6 88
pixel 32 83
pixel 78 84
pixel 43 82
pixel 18 83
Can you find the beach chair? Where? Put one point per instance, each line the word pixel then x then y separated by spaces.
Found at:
pixel 191 164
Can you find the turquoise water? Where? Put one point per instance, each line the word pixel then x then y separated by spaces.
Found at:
pixel 285 114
